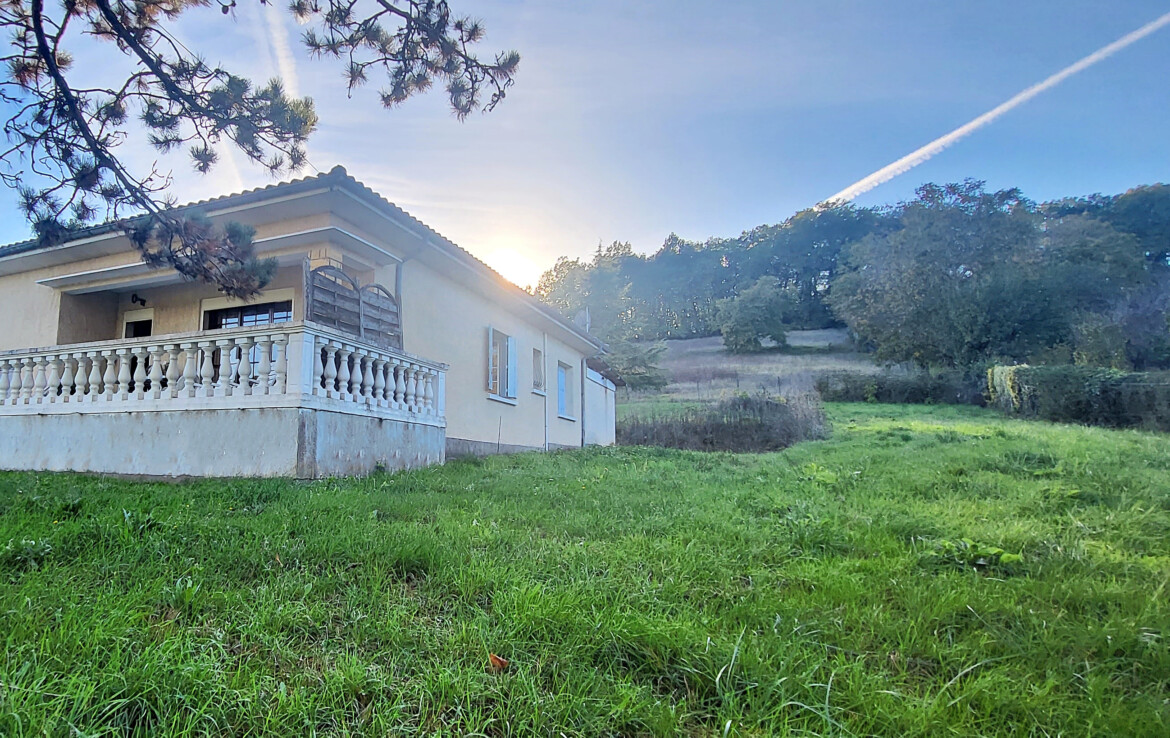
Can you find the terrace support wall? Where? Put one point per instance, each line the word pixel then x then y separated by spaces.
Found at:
pixel 251 442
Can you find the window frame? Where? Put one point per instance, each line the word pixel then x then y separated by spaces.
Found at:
pixel 281 294
pixel 565 391
pixel 275 307
pixel 539 372
pixel 501 366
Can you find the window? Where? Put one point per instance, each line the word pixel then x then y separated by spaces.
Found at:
pixel 138 328
pixel 565 391
pixel 265 313
pixel 137 323
pixel 501 365
pixel 538 371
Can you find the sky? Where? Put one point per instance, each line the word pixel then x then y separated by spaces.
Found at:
pixel 633 120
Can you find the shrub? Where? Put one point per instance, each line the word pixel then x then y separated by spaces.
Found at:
pixel 1078 394
pixel 757 424
pixel 759 312
pixel 951 388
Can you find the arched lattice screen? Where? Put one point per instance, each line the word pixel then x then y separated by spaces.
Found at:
pixel 333 298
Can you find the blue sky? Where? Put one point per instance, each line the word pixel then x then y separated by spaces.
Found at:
pixel 630 120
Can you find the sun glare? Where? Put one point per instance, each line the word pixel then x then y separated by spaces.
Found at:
pixel 515 266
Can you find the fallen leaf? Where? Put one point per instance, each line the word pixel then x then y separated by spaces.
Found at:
pixel 498 663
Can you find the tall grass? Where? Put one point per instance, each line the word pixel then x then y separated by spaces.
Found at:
pixel 746 424
pixel 854 586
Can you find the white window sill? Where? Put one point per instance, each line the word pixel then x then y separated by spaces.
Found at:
pixel 501 398
pixel 567 417
pixel 540 392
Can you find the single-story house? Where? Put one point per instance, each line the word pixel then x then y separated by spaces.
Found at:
pixel 378 344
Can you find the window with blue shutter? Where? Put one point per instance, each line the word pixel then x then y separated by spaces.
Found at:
pixel 510 377
pixel 501 365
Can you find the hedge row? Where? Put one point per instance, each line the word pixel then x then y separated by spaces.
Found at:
pixel 951 388
pixel 1077 394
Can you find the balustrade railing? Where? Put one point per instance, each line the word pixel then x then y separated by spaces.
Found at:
pixel 297 362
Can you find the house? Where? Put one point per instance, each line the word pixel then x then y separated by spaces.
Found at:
pixel 378 344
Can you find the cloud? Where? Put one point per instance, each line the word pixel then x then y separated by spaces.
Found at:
pixel 286 63
pixel 913 159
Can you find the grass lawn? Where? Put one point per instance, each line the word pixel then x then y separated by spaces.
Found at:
pixel 827 590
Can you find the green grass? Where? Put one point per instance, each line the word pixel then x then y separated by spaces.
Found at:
pixel 827 590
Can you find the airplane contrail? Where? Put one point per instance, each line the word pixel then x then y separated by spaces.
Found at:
pixel 913 159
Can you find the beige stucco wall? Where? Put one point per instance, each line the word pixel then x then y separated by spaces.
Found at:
pixel 600 412
pixel 564 432
pixel 30 311
pixel 33 311
pixel 178 307
pixel 87 318
pixel 448 322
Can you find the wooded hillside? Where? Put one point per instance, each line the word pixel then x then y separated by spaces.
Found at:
pixel 955 277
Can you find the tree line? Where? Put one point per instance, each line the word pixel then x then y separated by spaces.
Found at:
pixel 958 276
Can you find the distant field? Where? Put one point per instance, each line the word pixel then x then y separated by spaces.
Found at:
pixel 934 571
pixel 700 369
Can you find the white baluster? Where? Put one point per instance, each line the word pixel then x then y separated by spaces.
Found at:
pixel 360 378
pixel 228 366
pixel 429 394
pixel 13 394
pixel 52 378
pixel 81 377
pixel 207 371
pixel 95 376
pixel 264 372
pixel 14 382
pixel 244 370
pixel 318 366
pixel 380 382
pixel 11 382
pixel 223 383
pixel 412 388
pixel 399 385
pixel 157 354
pixel 5 382
pixel 330 370
pixel 190 368
pixel 124 376
pixel 26 380
pixel 139 377
pixel 343 354
pixel 39 380
pixel 281 343
pixel 174 370
pixel 66 377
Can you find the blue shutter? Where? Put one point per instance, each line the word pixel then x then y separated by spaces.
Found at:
pixel 560 390
pixel 511 389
